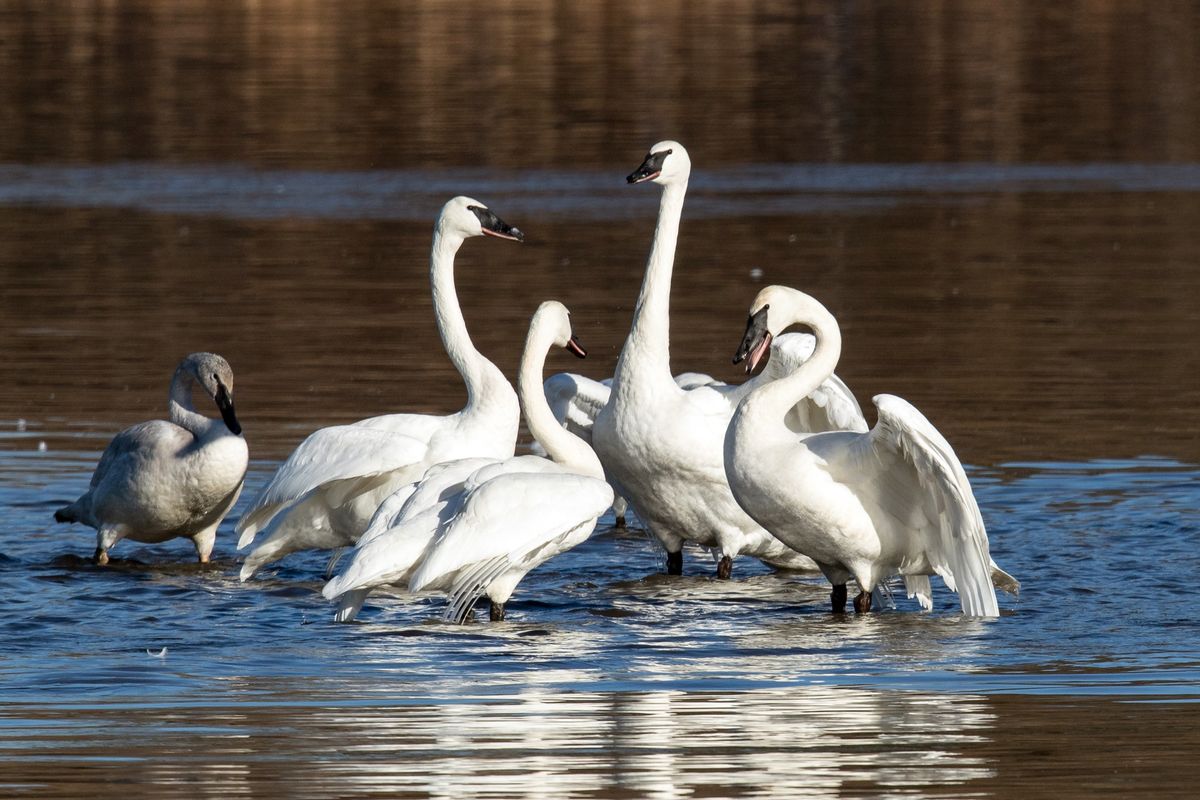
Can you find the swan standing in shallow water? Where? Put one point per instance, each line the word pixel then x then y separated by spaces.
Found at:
pixel 326 492
pixel 158 480
pixel 862 505
pixel 661 444
pixel 475 527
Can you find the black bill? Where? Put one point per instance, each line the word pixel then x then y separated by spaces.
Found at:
pixel 757 341
pixel 494 226
pixel 225 405
pixel 650 169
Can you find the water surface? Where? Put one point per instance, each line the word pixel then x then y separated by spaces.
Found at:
pixel 1001 205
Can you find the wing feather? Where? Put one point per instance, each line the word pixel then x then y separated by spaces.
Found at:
pixel 511 515
pixel 913 484
pixel 338 457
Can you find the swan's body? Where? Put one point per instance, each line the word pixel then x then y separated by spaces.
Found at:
pixel 862 505
pixel 663 445
pixel 576 400
pixel 475 527
pixel 159 480
pixel 326 492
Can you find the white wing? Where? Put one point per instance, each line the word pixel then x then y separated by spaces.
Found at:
pixel 336 460
pixel 830 407
pixel 913 486
pixel 434 490
pixel 575 401
pixel 388 558
pixel 512 515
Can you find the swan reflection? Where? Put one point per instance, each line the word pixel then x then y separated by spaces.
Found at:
pixel 808 741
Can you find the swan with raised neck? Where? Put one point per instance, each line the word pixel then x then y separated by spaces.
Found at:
pixel 326 492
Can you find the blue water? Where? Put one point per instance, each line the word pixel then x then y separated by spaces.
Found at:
pixel 758 189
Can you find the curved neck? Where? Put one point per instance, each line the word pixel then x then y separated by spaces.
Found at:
pixel 182 412
pixel 563 447
pixel 649 341
pixel 479 374
pixel 771 402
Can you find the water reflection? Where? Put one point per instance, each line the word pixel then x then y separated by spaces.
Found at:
pixel 541 742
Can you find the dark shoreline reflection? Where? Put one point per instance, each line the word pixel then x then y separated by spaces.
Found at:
pixel 369 84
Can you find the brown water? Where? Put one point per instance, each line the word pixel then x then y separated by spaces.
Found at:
pixel 1000 202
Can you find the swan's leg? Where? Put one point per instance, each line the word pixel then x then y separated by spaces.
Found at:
pixel 862 603
pixel 725 568
pixel 106 537
pixel 675 562
pixel 204 541
pixel 620 506
pixel 495 611
pixel 838 598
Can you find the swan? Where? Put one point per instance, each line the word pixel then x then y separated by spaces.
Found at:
pixel 324 495
pixel 158 480
pixel 476 527
pixel 575 399
pixel 662 445
pixel 862 505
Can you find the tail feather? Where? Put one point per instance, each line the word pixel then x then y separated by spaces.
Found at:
pixel 66 514
pixel 349 604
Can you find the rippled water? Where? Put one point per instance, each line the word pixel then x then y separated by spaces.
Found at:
pixel 1001 204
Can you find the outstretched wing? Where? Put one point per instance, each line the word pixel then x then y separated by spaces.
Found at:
pixel 910 480
pixel 339 459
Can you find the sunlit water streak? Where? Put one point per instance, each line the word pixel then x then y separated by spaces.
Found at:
pixel 754 190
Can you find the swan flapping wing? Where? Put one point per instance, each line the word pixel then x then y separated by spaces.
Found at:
pixel 335 456
pixel 511 516
pixel 912 485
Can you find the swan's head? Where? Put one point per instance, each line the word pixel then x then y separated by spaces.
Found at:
pixel 667 162
pixel 774 310
pixel 553 320
pixel 468 217
pixel 215 376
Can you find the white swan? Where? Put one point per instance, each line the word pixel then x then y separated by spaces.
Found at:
pixel 476 527
pixel 661 445
pixel 326 492
pixel 576 400
pixel 158 480
pixel 862 505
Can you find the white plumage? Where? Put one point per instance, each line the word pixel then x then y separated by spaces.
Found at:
pixel 326 492
pixel 475 527
pixel 894 500
pixel 662 445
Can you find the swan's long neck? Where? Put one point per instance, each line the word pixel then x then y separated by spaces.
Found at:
pixel 769 404
pixel 484 379
pixel 183 413
pixel 647 351
pixel 563 447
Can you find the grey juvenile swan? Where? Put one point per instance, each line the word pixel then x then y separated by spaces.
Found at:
pixel 158 480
